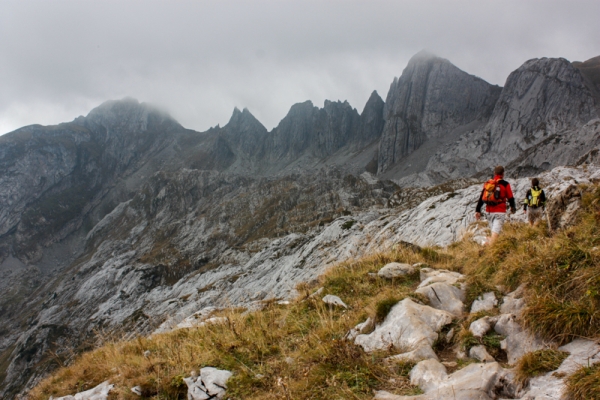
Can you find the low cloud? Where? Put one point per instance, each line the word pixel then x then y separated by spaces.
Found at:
pixel 200 59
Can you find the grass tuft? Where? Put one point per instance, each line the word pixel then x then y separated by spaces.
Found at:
pixel 584 384
pixel 537 363
pixel 383 307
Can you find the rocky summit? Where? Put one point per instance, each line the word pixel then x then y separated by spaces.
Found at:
pixel 125 223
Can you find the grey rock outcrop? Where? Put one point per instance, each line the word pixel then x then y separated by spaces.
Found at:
pixel 407 327
pixel 430 99
pixel 210 384
pixel 100 392
pixel 537 124
pixel 396 270
pixel 474 382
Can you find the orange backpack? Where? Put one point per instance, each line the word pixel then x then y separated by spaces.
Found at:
pixel 491 193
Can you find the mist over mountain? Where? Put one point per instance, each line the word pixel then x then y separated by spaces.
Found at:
pixel 125 221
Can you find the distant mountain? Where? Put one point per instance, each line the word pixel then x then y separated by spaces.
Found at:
pixel 105 220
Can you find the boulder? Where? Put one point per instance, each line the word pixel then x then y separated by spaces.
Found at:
pixel 485 302
pixel 396 270
pixel 430 275
pixel 519 344
pixel 506 325
pixel 428 374
pixel 407 327
pixel 100 392
pixel 424 352
pixel 482 326
pixel 210 384
pixel 518 341
pixel 474 382
pixel 444 297
pixel 363 327
pixel 481 354
pixel 513 303
pixel 334 301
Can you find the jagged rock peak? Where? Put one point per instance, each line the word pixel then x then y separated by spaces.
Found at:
pixel 431 98
pixel 542 97
pixel 244 119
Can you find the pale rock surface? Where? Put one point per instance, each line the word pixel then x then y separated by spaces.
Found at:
pixel 482 326
pixel 137 390
pixel 396 270
pixel 361 328
pixel 481 354
pixel 423 352
pixel 512 305
pixel 428 374
pixel 507 325
pixel 430 275
pixel 210 384
pixel 444 297
pixel 407 327
pixel 485 302
pixel 474 382
pixel 517 341
pixel 548 386
pixel 334 301
pixel 100 392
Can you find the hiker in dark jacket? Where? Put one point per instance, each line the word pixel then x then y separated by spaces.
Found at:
pixel 496 192
pixel 535 202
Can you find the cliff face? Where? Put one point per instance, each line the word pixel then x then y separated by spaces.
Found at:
pixel 537 124
pixel 54 175
pixel 431 98
pixel 542 97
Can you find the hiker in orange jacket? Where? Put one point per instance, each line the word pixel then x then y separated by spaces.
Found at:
pixel 495 202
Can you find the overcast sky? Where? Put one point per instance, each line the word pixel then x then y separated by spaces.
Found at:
pixel 200 59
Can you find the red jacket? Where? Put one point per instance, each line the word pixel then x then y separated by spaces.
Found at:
pixel 505 193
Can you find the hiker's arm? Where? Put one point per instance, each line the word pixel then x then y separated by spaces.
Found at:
pixel 479 205
pixel 511 199
pixel 526 201
pixel 543 199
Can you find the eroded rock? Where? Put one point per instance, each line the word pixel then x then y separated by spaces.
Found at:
pixel 482 326
pixel 210 384
pixel 408 326
pixel 396 270
pixel 481 354
pixel 334 301
pixel 485 302
pixel 100 392
pixel 361 328
pixel 444 297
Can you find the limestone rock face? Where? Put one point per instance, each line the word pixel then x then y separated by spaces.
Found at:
pixel 431 98
pixel 542 97
pixel 100 392
pixel 474 382
pixel 371 119
pixel 407 327
pixel 538 123
pixel 396 270
pixel 210 384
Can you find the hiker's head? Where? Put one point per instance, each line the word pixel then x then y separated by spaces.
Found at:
pixel 499 170
pixel 535 182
